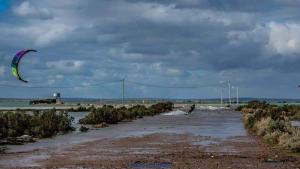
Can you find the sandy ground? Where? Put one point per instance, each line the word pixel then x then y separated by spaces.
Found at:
pixel 205 139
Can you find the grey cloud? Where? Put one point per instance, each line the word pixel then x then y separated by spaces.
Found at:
pixel 192 41
pixel 25 9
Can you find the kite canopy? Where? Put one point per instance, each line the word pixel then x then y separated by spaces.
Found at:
pixel 15 63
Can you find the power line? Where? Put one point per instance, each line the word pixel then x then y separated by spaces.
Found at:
pixel 123 90
pixel 58 87
pixel 109 82
pixel 171 87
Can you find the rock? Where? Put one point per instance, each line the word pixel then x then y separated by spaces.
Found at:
pixel 271 160
pixel 25 138
pixel 14 141
pixel 84 129
pixel 102 125
pixel 17 140
pixel 2 149
pixel 3 142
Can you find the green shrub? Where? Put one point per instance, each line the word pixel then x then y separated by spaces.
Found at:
pixel 107 114
pixel 110 115
pixel 254 104
pixel 40 124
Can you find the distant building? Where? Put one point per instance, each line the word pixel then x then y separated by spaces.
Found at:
pixel 55 100
pixel 56 95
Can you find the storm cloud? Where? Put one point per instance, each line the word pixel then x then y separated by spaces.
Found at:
pixel 254 44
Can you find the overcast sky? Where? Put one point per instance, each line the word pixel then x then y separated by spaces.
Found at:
pixel 253 43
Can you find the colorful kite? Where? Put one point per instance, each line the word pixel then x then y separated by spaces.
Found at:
pixel 15 63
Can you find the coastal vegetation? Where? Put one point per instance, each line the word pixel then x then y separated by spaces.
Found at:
pixel 19 126
pixel 111 115
pixel 273 124
pixel 39 124
pixel 81 109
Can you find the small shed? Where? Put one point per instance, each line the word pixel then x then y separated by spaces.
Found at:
pixel 56 95
pixel 57 98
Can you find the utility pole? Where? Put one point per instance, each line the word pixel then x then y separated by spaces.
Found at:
pixel 221 96
pixel 237 95
pixel 123 91
pixel 222 85
pixel 229 92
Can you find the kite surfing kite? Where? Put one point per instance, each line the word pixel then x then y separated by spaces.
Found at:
pixel 15 63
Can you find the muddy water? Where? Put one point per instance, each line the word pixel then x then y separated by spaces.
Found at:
pixel 215 125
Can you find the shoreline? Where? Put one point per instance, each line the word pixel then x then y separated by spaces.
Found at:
pixel 85 105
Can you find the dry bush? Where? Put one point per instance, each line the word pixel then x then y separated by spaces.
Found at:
pixel 290 141
pixel 264 126
pixel 249 120
pixel 247 110
pixel 272 137
pixel 273 124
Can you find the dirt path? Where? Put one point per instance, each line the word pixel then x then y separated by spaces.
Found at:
pixel 205 139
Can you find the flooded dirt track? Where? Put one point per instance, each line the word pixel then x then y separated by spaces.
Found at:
pixel 205 139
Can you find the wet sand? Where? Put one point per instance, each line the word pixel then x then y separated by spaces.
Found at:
pixel 204 139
